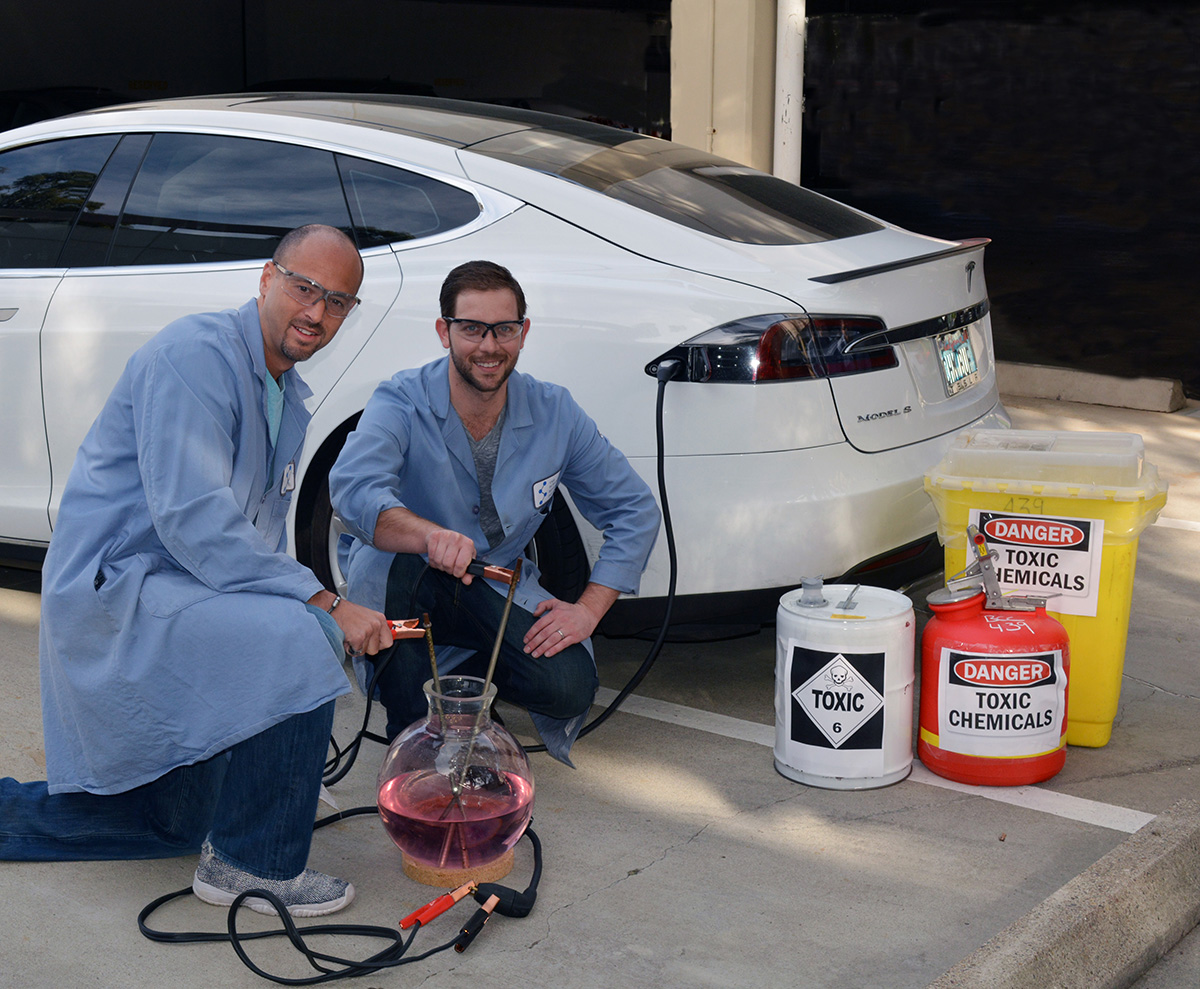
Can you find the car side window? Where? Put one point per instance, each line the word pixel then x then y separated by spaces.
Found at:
pixel 200 197
pixel 391 204
pixel 91 239
pixel 43 187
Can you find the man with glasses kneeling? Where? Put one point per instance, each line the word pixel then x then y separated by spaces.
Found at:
pixel 459 460
pixel 189 665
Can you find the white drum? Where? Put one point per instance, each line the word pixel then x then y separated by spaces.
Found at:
pixel 844 695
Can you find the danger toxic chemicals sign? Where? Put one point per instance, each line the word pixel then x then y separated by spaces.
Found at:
pixel 1001 705
pixel 1055 558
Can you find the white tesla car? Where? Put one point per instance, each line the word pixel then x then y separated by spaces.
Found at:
pixel 828 357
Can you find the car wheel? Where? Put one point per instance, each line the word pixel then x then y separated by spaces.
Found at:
pixel 318 529
pixel 317 543
pixel 559 554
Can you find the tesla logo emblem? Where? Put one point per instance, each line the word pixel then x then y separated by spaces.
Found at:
pixel 970 272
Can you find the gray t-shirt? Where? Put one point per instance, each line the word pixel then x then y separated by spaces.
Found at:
pixel 484 452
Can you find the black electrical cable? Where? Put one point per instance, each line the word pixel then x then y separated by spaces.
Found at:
pixel 343 815
pixel 511 904
pixel 334 770
pixel 668 370
pixel 387 958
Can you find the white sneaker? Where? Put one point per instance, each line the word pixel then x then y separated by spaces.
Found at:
pixel 310 894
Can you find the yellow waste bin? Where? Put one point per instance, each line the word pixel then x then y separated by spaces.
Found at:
pixel 1063 511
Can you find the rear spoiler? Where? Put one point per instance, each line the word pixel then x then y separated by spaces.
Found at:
pixel 964 247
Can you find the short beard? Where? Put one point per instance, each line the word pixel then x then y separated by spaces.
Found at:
pixel 467 373
pixel 296 356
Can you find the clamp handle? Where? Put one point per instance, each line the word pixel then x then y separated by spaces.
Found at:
pixel 981 575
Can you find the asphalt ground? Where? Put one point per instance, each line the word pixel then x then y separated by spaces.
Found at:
pixel 675 854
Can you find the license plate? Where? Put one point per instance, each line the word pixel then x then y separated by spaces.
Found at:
pixel 957 357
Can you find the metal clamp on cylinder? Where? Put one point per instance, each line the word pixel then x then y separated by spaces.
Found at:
pixel 981 576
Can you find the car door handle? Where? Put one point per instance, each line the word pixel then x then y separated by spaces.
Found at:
pixel 7 314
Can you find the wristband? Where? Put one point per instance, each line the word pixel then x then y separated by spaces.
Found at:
pixel 337 599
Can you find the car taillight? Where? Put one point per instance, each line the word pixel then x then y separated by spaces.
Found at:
pixel 782 346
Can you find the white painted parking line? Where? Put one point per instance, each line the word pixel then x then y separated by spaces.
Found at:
pixel 1047 801
pixel 1179 524
pixel 1032 798
pixel 690 717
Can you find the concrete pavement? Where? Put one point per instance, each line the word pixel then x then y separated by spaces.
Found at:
pixel 676 856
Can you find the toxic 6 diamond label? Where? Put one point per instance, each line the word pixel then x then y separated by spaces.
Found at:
pixel 838 699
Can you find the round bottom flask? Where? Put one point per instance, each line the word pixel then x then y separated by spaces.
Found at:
pixel 455 790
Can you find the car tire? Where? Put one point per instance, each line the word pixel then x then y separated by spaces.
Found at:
pixel 559 554
pixel 316 542
pixel 317 527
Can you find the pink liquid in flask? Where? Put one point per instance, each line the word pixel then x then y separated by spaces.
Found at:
pixel 433 827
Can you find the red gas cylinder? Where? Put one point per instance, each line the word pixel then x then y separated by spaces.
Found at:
pixel 993 691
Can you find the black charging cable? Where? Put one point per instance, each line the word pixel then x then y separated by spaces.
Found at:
pixel 668 370
pixel 342 760
pixel 507 902
pixel 511 902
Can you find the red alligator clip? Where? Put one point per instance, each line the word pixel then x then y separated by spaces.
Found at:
pixel 406 628
pixel 436 907
pixel 479 569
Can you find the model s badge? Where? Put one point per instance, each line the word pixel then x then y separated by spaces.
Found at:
pixel 885 414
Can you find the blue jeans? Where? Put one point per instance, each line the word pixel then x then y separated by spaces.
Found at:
pixel 560 686
pixel 255 802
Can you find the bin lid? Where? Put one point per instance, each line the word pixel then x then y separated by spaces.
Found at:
pixel 1116 459
pixel 1103 466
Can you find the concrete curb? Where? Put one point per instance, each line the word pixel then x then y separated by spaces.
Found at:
pixel 1067 385
pixel 1107 926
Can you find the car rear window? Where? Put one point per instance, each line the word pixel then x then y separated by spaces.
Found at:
pixel 392 204
pixel 689 187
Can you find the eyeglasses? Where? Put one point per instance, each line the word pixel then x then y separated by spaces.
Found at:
pixel 475 330
pixel 337 304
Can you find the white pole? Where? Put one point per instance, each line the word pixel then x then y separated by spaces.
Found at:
pixel 789 88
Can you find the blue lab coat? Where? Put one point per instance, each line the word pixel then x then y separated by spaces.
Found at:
pixel 410 450
pixel 173 623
